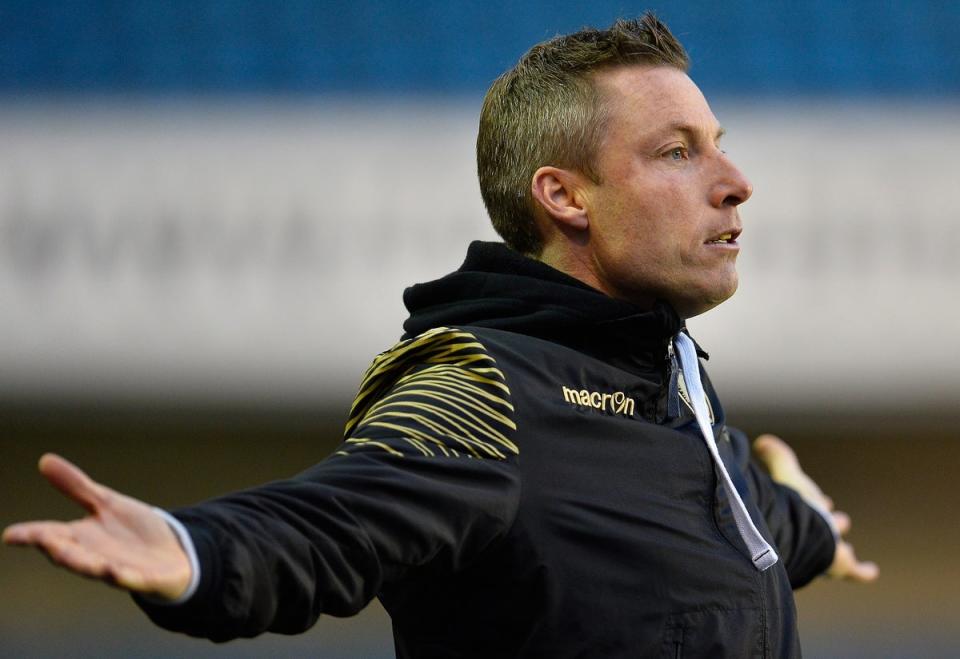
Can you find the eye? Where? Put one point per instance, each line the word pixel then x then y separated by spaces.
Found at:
pixel 678 153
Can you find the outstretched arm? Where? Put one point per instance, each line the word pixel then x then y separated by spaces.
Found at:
pixel 122 541
pixel 784 468
pixel 426 479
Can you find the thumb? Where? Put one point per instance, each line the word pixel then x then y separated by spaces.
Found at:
pixel 784 467
pixel 72 481
pixel 775 453
pixel 846 565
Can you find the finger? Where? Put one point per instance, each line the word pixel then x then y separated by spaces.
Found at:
pixel 32 533
pixel 15 534
pixel 847 566
pixel 67 553
pixel 842 522
pixel 72 481
pixel 864 572
pixel 856 570
pixel 58 543
pixel 56 540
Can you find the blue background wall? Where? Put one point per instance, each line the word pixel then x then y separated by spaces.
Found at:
pixel 814 47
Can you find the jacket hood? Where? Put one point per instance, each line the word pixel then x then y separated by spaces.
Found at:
pixel 499 288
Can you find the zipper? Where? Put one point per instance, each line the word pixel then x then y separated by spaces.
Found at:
pixel 673 388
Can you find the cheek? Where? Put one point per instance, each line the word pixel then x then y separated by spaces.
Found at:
pixel 647 224
pixel 665 210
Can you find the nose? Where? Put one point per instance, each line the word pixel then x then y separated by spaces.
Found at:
pixel 732 187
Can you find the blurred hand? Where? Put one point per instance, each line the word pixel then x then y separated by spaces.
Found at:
pixel 123 542
pixel 784 468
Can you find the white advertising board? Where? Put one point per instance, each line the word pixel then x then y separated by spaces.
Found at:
pixel 256 252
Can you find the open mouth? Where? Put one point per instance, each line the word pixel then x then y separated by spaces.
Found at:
pixel 728 238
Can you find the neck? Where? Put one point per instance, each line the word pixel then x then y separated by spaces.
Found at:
pixel 577 264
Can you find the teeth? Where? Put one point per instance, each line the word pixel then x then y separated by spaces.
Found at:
pixel 722 239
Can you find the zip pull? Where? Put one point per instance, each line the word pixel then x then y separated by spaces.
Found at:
pixel 673 389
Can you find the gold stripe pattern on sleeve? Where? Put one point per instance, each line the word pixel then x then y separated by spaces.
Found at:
pixel 437 394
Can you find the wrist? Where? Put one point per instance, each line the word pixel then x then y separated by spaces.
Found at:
pixel 182 594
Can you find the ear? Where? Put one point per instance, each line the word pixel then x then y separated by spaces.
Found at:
pixel 560 193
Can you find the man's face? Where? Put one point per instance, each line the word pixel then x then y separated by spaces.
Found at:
pixel 663 222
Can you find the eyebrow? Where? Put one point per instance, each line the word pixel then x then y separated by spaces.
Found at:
pixel 689 130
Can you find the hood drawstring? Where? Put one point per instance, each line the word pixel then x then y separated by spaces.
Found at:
pixel 761 553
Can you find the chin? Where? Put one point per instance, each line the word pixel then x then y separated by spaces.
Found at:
pixel 690 306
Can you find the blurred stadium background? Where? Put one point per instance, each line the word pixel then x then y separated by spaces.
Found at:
pixel 209 211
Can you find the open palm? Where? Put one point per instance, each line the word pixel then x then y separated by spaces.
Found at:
pixel 122 541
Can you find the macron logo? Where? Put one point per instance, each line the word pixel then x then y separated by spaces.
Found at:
pixel 616 402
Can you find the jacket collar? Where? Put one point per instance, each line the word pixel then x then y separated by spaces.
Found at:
pixel 499 288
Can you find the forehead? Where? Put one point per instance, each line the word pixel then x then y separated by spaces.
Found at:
pixel 651 99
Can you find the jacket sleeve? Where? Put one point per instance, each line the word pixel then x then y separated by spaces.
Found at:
pixel 425 479
pixel 804 539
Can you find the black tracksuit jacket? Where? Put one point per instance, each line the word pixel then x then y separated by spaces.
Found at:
pixel 520 477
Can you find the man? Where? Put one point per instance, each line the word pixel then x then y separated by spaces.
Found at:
pixel 539 468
